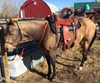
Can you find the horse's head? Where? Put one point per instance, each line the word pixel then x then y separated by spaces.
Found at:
pixel 12 35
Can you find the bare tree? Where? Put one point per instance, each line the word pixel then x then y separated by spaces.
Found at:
pixel 19 3
pixel 10 8
pixel 72 9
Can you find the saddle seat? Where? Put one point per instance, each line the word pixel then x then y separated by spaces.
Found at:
pixel 67 21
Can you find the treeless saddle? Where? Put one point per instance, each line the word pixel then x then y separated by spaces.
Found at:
pixel 64 25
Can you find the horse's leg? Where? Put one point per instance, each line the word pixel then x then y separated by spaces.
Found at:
pixel 53 61
pixel 49 65
pixel 85 47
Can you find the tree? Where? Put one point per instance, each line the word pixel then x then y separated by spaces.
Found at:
pixel 10 8
pixel 72 9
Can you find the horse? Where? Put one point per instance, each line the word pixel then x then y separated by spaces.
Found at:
pixel 40 32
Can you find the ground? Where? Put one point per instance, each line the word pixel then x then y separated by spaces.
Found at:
pixel 66 68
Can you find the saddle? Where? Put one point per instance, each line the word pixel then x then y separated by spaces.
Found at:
pixel 64 25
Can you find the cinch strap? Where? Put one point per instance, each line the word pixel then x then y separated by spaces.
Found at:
pixel 42 33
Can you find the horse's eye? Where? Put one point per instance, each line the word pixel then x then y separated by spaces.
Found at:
pixel 10 33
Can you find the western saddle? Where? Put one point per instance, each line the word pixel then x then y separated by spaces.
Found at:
pixel 64 25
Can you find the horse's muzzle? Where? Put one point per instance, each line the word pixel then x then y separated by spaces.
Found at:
pixel 9 49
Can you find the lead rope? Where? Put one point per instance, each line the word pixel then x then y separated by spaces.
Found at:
pixel 20 55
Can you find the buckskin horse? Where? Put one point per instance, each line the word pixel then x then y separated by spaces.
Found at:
pixel 40 31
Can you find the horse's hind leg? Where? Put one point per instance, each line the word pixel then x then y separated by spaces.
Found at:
pixel 85 46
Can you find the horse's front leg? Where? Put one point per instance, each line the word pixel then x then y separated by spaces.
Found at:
pixel 49 65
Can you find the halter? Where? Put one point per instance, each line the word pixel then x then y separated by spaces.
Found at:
pixel 19 30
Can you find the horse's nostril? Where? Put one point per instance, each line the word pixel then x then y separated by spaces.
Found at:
pixel 6 49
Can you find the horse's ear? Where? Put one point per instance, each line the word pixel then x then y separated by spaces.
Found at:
pixel 10 21
pixel 0 28
pixel 84 13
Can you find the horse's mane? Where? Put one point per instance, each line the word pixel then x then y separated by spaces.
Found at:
pixel 28 19
pixel 97 17
pixel 51 21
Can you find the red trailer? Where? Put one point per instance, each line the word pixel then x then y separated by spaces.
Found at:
pixel 36 9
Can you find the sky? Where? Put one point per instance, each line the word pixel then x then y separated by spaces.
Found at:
pixel 60 4
pixel 65 3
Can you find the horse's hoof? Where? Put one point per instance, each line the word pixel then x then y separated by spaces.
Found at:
pixel 47 77
pixel 53 79
pixel 80 68
pixel 75 69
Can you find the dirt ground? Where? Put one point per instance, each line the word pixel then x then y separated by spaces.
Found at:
pixel 66 68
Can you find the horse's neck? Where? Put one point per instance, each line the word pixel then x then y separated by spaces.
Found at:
pixel 32 29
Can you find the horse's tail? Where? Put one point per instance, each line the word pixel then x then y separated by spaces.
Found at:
pixel 93 39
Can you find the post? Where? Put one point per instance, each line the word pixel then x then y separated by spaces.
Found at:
pixel 4 55
pixel 0 74
pixel 5 63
